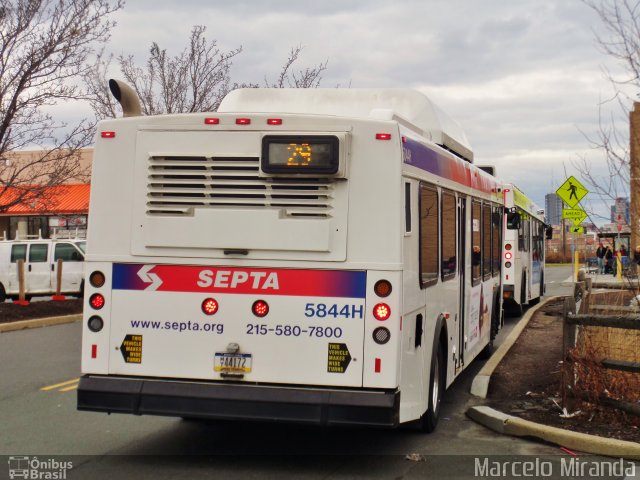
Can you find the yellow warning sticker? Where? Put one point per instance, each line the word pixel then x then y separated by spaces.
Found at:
pixel 131 348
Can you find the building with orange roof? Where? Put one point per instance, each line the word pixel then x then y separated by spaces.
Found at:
pixel 62 210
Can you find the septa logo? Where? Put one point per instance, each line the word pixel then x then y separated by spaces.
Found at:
pixel 229 279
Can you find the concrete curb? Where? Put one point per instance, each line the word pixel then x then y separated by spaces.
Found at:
pixel 39 322
pixel 514 426
pixel 609 285
pixel 480 384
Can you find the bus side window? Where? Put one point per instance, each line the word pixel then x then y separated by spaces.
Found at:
pixel 496 238
pixel 428 235
pixel 476 243
pixel 521 244
pixel 448 240
pixel 407 207
pixel 486 240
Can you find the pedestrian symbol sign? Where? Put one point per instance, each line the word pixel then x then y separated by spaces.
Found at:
pixel 571 191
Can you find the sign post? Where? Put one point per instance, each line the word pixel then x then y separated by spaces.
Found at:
pixel 571 192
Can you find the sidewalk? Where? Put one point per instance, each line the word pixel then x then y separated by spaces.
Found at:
pixel 511 425
pixel 609 281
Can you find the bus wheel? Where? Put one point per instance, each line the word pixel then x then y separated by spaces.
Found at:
pixel 487 351
pixel 429 419
pixel 3 293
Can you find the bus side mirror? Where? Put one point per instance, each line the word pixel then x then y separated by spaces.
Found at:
pixel 513 221
pixel 549 232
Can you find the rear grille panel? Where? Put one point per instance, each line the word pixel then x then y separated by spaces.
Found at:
pixel 178 184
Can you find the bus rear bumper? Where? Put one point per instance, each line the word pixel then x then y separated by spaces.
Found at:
pixel 142 396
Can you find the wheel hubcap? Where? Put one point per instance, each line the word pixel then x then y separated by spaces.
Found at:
pixel 435 393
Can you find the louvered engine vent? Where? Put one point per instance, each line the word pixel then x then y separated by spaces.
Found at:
pixel 179 184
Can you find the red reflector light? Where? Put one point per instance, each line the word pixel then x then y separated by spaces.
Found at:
pixel 507 246
pixel 94 351
pixel 108 134
pixel 96 301
pixel 378 365
pixel 508 255
pixel 274 121
pixel 243 121
pixel 209 306
pixel 383 136
pixel 381 311
pixel 260 308
pixel 211 121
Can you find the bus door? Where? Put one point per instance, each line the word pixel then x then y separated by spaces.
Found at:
pixel 462 241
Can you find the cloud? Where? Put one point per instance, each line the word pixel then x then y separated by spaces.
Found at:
pixel 523 78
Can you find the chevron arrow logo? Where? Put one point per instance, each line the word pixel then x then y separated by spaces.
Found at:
pixel 147 277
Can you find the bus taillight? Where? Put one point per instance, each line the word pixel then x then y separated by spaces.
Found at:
pixel 260 308
pixel 507 246
pixel 381 311
pixel 209 306
pixel 96 301
pixel 508 255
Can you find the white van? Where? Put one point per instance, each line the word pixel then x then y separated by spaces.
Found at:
pixel 40 267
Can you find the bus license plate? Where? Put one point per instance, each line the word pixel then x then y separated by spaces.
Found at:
pixel 232 362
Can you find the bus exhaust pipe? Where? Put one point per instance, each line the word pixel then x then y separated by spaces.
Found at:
pixel 127 97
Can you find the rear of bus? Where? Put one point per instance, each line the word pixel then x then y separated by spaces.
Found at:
pixel 523 267
pixel 244 266
pixel 512 262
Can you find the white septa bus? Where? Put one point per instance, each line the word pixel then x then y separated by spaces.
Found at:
pixel 524 261
pixel 336 264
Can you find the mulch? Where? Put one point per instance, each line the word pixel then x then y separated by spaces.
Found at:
pixel 11 312
pixel 527 383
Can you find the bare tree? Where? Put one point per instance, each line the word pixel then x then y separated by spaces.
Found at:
pixel 306 78
pixel 44 47
pixel 620 40
pixel 196 80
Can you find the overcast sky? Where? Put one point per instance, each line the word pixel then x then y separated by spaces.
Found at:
pixel 523 77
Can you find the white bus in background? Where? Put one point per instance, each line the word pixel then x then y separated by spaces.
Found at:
pixel 336 264
pixel 523 264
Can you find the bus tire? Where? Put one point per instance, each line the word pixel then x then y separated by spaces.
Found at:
pixel 3 294
pixel 429 419
pixel 488 349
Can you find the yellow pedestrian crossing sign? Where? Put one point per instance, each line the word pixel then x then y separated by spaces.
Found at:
pixel 571 191
pixel 577 215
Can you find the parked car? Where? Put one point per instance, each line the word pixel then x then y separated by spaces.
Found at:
pixel 41 267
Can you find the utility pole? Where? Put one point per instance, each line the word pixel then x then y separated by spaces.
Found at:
pixel 634 170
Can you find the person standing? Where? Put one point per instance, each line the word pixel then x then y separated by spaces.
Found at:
pixel 600 254
pixel 608 258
